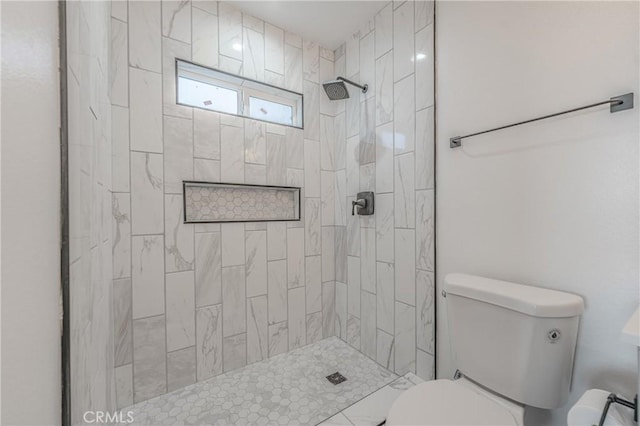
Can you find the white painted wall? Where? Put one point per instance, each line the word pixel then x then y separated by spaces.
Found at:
pixel 555 203
pixel 30 214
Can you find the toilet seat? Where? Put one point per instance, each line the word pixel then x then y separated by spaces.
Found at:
pixel 447 402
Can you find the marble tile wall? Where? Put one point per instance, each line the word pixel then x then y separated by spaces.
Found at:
pixel 195 300
pixel 93 351
pixel 384 264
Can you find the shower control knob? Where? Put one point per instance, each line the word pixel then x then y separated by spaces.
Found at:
pixel 364 202
pixel 360 203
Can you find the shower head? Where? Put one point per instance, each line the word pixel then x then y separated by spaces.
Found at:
pixel 337 89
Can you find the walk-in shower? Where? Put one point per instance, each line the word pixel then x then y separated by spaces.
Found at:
pixel 337 89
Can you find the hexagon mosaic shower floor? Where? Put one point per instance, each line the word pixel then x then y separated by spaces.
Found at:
pixel 287 389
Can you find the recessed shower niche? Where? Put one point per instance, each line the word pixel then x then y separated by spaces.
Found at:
pixel 206 202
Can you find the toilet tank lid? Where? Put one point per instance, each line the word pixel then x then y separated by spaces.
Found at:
pixel 533 301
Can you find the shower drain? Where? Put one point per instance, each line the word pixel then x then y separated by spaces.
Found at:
pixel 336 378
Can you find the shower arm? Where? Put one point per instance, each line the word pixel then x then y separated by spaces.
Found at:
pixel 364 88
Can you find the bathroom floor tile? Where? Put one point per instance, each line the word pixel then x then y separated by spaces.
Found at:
pixel 373 409
pixel 337 420
pixel 287 389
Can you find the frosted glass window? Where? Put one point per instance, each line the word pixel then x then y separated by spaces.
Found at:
pixel 216 90
pixel 263 109
pixel 207 95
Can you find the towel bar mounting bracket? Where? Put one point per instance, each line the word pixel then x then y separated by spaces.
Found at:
pixel 627 103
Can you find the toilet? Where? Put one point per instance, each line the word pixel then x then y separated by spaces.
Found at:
pixel 513 346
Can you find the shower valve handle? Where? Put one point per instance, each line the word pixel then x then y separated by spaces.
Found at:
pixel 360 203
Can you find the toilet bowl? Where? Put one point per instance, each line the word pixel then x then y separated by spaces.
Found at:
pixel 453 402
pixel 513 345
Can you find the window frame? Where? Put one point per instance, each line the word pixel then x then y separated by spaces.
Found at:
pixel 246 88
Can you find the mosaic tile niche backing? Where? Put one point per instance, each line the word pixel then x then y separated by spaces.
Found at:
pixel 213 202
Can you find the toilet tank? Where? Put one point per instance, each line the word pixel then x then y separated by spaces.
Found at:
pixel 514 339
